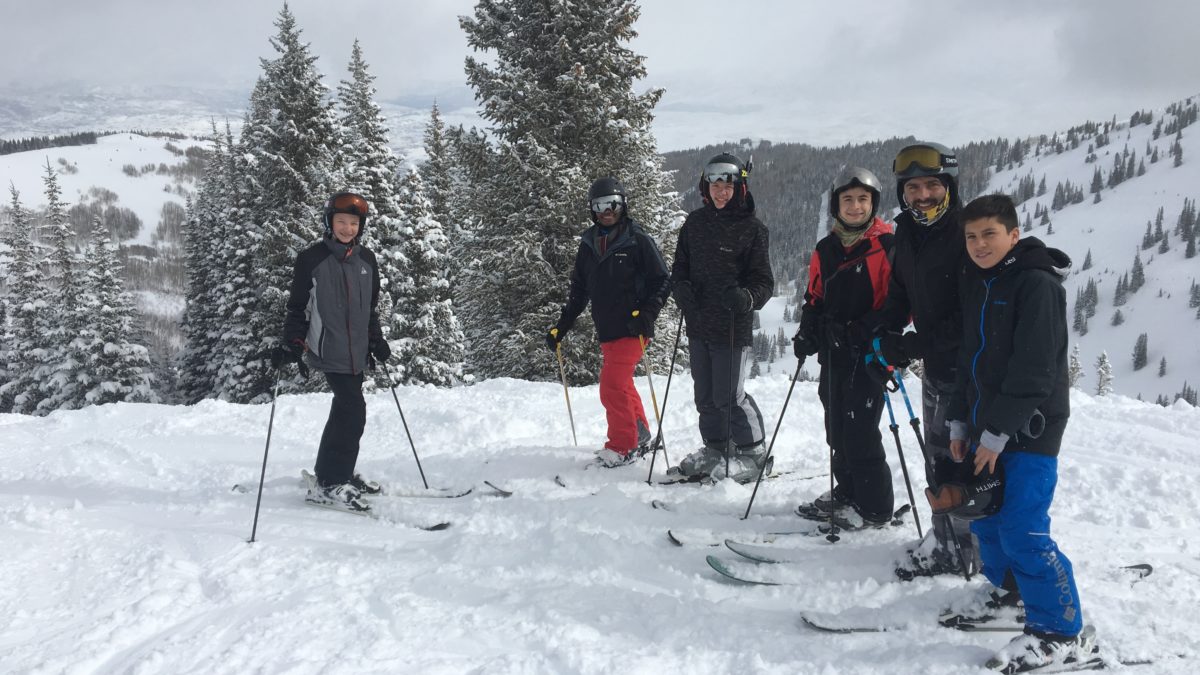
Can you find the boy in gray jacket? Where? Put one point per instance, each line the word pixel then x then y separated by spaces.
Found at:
pixel 332 324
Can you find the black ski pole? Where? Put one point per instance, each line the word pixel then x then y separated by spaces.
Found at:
pixel 658 437
pixel 412 445
pixel 263 476
pixel 832 537
pixel 900 451
pixel 733 373
pixel 774 435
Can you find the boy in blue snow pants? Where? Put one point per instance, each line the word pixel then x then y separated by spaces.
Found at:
pixel 1011 405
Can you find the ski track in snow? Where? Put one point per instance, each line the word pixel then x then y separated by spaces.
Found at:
pixel 125 547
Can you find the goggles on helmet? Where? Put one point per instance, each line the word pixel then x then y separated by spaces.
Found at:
pixel 723 172
pixel 349 203
pixel 607 203
pixel 923 156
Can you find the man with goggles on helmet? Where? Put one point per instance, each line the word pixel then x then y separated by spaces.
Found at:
pixel 929 253
pixel 332 325
pixel 620 272
pixel 721 274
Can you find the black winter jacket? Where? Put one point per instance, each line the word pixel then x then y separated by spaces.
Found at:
pixel 718 249
pixel 332 305
pixel 1013 362
pixel 924 289
pixel 845 285
pixel 630 275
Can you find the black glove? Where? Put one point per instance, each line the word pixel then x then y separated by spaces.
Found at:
pixel 858 336
pixel 737 299
pixel 292 352
pixel 892 348
pixel 380 349
pixel 553 337
pixel 803 347
pixel 685 296
pixel 879 373
pixel 640 322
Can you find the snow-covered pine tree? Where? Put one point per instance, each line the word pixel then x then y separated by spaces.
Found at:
pixel 370 168
pixel 1117 319
pixel 1162 367
pixel 115 366
pixel 1074 367
pixel 203 264
pixel 1087 261
pixel 1137 276
pixel 58 373
pixel 436 171
pixel 28 314
pixel 428 343
pixel 557 88
pixel 1140 348
pixel 1104 376
pixel 286 148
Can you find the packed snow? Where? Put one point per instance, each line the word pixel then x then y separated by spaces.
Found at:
pixel 126 543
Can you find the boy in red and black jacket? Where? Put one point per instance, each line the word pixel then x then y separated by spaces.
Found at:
pixel 847 279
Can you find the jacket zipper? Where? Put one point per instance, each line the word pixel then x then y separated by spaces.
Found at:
pixel 346 285
pixel 982 343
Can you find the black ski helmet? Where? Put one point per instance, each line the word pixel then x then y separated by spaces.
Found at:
pixel 345 202
pixel 926 159
pixel 728 168
pixel 607 187
pixel 961 493
pixel 855 176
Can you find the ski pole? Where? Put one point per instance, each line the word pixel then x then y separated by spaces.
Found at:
pixel 649 378
pixel 733 372
pixel 832 537
pixel 658 437
pixel 774 435
pixel 412 445
pixel 912 416
pixel 263 476
pixel 562 371
pixel 900 451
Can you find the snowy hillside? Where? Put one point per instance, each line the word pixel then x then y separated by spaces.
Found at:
pixel 126 546
pixel 1112 230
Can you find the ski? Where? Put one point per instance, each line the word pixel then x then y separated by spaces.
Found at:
pixel 1096 662
pixel 809 512
pixel 711 539
pixel 370 513
pixel 729 571
pixel 500 492
pixel 774 555
pixel 826 628
pixel 680 479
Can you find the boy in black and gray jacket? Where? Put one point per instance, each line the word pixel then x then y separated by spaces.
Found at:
pixel 332 324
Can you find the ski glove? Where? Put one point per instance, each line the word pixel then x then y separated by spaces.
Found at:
pixel 553 337
pixel 894 349
pixel 803 347
pixel 737 299
pixel 685 296
pixel 380 349
pixel 293 352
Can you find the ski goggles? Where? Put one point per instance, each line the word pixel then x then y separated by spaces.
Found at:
pixel 349 203
pixel 607 203
pixel 947 498
pixel 726 172
pixel 922 156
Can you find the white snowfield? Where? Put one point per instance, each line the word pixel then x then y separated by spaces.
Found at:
pixel 125 547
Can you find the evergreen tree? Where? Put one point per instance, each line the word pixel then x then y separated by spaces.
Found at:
pixel 1087 261
pixel 557 88
pixel 1118 318
pixel 1074 367
pixel 285 149
pixel 1041 189
pixel 1104 376
pixel 57 374
pixel 1147 238
pixel 427 344
pixel 1194 295
pixel 436 170
pixel 115 366
pixel 1164 246
pixel 1162 367
pixel 1098 181
pixel 1139 352
pixel 22 347
pixel 1137 276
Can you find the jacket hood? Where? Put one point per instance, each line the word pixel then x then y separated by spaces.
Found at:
pixel 1032 253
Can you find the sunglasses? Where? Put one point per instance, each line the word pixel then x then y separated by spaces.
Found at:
pixel 923 156
pixel 350 203
pixel 607 203
pixel 723 172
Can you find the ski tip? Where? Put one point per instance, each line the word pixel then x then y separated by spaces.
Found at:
pixel 1142 570
pixel 435 528
pixel 501 492
pixel 660 505
pixel 674 540
pixel 239 488
pixel 721 568
pixel 559 480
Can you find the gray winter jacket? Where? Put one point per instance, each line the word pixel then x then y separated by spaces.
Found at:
pixel 332 305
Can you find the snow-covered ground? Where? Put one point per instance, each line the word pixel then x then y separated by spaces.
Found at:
pixel 125 546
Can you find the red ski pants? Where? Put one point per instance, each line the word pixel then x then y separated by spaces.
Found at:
pixel 619 397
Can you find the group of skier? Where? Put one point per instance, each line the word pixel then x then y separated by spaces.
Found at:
pixel 988 314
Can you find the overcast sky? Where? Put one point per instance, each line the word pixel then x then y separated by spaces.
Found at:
pixel 819 72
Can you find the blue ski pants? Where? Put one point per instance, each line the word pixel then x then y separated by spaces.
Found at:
pixel 1018 539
